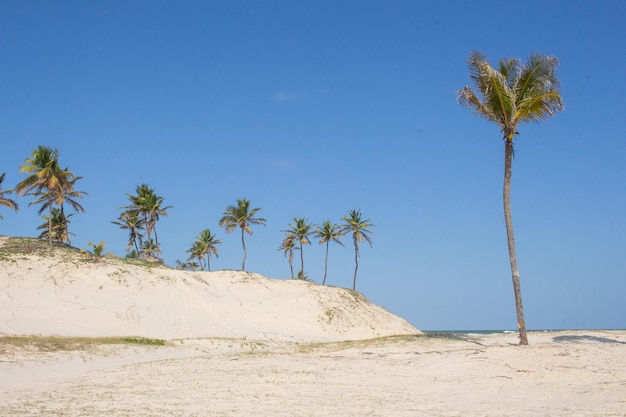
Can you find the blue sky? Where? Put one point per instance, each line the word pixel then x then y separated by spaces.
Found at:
pixel 310 109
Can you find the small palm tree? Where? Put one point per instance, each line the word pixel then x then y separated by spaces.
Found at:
pixel 300 231
pixel 196 251
pixel 326 233
pixel 130 220
pixel 5 201
pixel 58 231
pixel 204 246
pixel 353 223
pixel 150 248
pixel 241 216
pixel 509 95
pixel 288 245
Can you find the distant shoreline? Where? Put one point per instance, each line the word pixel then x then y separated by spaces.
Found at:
pixel 503 331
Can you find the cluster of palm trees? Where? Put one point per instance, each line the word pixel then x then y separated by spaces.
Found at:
pixel 301 231
pixel 140 218
pixel 242 216
pixel 52 187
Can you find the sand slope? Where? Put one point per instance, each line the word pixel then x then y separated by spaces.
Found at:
pixel 64 292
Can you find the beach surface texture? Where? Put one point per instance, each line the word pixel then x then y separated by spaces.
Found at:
pixel 86 336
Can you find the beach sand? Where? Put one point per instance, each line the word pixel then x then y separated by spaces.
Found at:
pixel 239 344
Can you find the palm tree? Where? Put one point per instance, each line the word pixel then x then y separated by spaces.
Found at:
pixel 196 251
pixel 187 266
pixel 515 92
pixel 150 206
pixel 241 216
pixel 5 201
pixel 150 248
pixel 130 220
pixel 204 246
pixel 353 223
pixel 58 233
pixel 299 231
pixel 65 193
pixel 326 233
pixel 51 184
pixel 288 245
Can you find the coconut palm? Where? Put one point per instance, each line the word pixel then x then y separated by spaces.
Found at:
pixel 300 231
pixel 326 233
pixel 5 201
pixel 150 248
pixel 196 251
pixel 150 206
pixel 204 246
pixel 58 232
pixel 130 220
pixel 187 266
pixel 513 93
pixel 51 184
pixel 288 245
pixel 353 223
pixel 241 216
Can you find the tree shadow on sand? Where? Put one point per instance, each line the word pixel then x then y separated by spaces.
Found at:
pixel 585 338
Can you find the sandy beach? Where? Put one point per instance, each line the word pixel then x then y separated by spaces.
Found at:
pixel 238 344
pixel 566 373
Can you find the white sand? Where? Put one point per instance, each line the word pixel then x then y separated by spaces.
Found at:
pixel 249 346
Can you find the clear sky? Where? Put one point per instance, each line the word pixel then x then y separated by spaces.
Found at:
pixel 313 108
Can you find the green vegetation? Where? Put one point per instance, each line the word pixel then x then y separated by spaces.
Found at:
pixel 50 185
pixel 353 223
pixel 97 249
pixel 141 215
pixel 287 246
pixel 204 246
pixel 509 95
pixel 299 231
pixel 326 233
pixel 61 344
pixel 241 216
pixel 5 201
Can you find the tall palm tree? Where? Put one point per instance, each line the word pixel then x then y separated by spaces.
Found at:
pixel 288 245
pixel 353 223
pixel 51 184
pixel 241 216
pixel 205 246
pixel 513 93
pixel 326 233
pixel 300 231
pixel 5 201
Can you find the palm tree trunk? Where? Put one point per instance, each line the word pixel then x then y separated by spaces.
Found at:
pixel 508 157
pixel 50 222
pixel 301 261
pixel 325 264
pixel 356 263
pixel 245 254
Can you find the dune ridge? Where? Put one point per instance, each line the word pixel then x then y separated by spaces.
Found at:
pixel 67 292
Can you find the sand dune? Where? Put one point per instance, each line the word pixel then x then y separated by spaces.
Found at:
pixel 62 291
